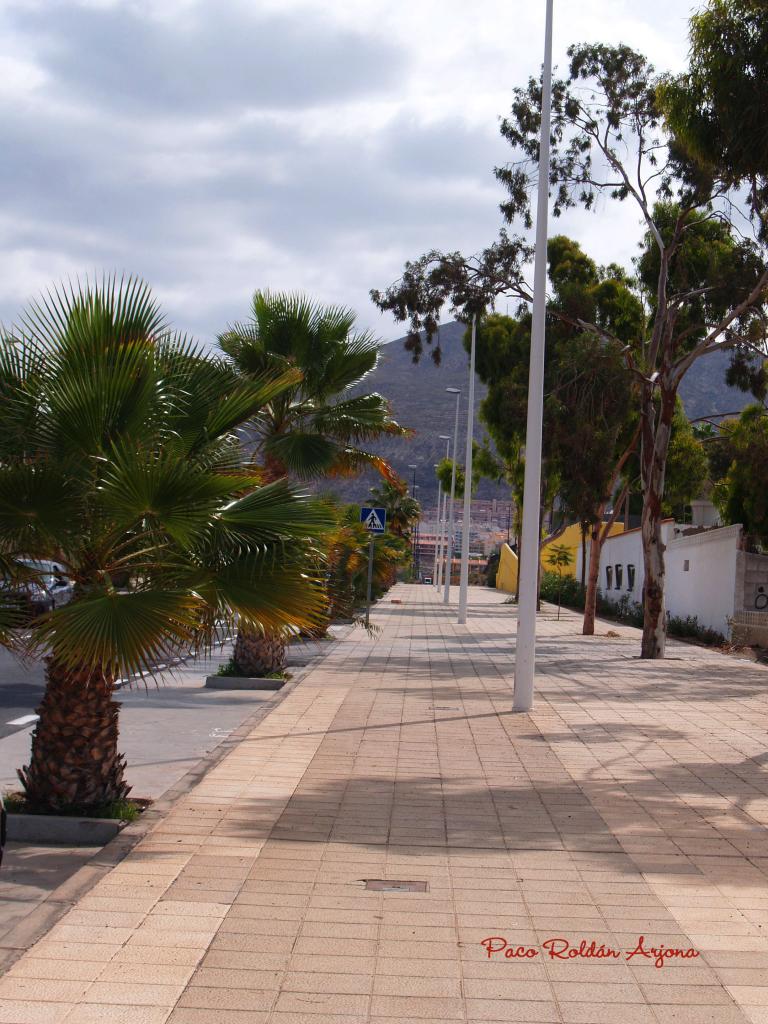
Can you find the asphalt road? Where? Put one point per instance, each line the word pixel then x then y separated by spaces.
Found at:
pixel 21 687
pixel 166 725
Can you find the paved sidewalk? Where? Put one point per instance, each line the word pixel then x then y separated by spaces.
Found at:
pixel 633 801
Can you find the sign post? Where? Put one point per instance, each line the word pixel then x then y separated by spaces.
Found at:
pixel 375 521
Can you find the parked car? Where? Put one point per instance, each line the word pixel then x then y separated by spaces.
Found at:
pixel 47 588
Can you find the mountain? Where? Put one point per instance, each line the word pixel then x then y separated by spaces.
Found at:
pixel 417 394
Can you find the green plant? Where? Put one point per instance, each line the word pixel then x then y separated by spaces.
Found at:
pixel 690 628
pixel 120 460
pixel 559 557
pixel 568 588
pixel 123 810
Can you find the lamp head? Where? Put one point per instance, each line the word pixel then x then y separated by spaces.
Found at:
pixel 453 391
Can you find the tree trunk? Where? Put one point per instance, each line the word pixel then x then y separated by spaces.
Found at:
pixel 259 654
pixel 590 598
pixel 584 529
pixel 653 461
pixel 75 762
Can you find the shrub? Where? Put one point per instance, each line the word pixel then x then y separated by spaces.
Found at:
pixel 624 610
pixel 571 591
pixel 690 628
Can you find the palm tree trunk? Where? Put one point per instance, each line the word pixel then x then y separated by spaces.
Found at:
pixel 75 763
pixel 259 654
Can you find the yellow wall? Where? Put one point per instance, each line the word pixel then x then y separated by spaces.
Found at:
pixel 506 577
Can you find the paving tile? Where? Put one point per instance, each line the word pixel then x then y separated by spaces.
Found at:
pixel 614 810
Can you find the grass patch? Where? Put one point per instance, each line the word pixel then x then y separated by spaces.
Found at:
pixel 120 810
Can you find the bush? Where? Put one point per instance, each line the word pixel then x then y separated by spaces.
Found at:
pixel 571 590
pixel 628 612
pixel 689 628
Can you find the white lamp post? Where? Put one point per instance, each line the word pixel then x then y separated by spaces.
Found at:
pixel 437 524
pixel 525 653
pixel 464 579
pixel 441 517
pixel 415 532
pixel 449 539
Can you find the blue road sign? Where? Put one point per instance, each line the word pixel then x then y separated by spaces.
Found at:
pixel 373 519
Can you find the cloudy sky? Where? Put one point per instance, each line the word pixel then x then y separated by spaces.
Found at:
pixel 217 146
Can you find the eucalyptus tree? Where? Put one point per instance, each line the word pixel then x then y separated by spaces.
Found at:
pixel 120 460
pixel 704 282
pixel 589 412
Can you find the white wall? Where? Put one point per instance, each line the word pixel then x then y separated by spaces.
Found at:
pixel 622 549
pixel 706 589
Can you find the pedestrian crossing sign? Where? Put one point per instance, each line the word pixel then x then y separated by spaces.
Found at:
pixel 373 519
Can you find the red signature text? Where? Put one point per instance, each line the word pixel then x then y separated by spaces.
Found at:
pixel 498 944
pixel 585 949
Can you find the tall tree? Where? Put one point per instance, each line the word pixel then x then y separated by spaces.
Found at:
pixel 588 409
pixel 717 107
pixel 403 510
pixel 120 460
pixel 320 426
pixel 741 495
pixel 705 284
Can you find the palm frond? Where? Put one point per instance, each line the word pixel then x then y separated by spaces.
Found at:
pixel 39 507
pixel 170 496
pixel 275 512
pixel 304 455
pixel 361 418
pixel 265 593
pixel 120 633
pixel 352 461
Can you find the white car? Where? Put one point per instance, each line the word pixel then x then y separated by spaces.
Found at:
pixel 50 588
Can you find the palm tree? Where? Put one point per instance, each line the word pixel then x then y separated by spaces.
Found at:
pixel 348 562
pixel 119 458
pixel 403 511
pixel 319 426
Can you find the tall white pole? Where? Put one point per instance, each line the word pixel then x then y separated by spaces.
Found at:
pixel 464 579
pixel 525 654
pixel 441 559
pixel 443 527
pixel 449 538
pixel 437 529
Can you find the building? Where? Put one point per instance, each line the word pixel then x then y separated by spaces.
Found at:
pixel 709 577
pixel 570 538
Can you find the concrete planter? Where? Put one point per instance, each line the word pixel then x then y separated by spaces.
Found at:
pixel 243 683
pixel 62 830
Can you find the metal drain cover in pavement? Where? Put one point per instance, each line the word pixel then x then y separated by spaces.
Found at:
pixel 390 885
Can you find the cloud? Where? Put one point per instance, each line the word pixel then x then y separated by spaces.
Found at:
pixel 211 58
pixel 216 146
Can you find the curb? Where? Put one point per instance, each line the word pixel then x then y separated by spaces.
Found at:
pixel 62 830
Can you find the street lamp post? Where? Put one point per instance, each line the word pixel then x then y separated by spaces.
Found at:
pixel 441 518
pixel 437 527
pixel 464 579
pixel 415 531
pixel 449 539
pixel 525 652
